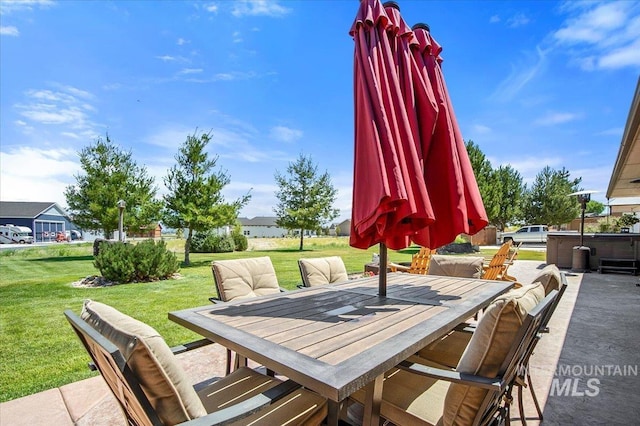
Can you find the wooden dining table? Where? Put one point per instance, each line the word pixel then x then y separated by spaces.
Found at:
pixel 335 339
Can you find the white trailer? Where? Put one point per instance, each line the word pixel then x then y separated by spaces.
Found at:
pixel 12 234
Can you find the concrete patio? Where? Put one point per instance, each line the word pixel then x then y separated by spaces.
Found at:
pixel 585 371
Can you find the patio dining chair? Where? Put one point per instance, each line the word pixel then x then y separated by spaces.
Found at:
pixel 322 270
pixel 479 390
pixel 448 350
pixel 238 279
pixel 152 389
pixel 419 263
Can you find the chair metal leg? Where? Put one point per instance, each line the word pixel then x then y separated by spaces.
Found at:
pixel 228 370
pixel 535 398
pixel 523 419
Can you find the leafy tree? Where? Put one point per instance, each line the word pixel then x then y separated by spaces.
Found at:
pixel 109 175
pixel 548 201
pixel 194 201
pixel 484 177
pixel 509 189
pixel 305 198
pixel 594 207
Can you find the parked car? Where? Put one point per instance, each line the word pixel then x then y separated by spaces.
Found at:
pixel 527 234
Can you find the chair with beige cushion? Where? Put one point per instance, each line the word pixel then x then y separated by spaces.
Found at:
pixel 152 389
pixel 322 270
pixel 422 392
pixel 456 266
pixel 244 278
pixel 448 350
pixel 239 279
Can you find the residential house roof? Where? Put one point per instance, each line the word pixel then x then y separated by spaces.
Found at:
pixel 25 209
pixel 258 221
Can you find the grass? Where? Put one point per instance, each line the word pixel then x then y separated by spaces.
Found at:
pixel 38 349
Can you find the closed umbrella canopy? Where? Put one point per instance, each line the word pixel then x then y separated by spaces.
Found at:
pixel 390 200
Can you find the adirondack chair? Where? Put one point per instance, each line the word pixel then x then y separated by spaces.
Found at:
pixel 419 263
pixel 496 268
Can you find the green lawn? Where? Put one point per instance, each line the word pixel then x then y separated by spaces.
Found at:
pixel 38 349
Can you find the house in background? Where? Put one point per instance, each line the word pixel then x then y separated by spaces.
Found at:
pixel 45 219
pixel 261 227
pixel 153 230
pixel 341 229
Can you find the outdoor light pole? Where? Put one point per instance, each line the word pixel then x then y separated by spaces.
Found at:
pixel 121 205
pixel 583 199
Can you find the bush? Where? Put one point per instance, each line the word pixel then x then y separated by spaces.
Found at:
pixel 203 242
pixel 145 261
pixel 240 242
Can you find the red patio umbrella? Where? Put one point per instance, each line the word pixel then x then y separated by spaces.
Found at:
pixel 390 199
pixel 403 128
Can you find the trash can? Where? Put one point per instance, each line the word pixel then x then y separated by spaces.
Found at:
pixel 580 261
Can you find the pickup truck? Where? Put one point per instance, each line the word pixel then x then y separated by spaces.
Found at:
pixel 527 234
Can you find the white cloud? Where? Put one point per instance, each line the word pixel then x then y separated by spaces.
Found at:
pixel 259 8
pixel 31 174
pixel 166 58
pixel 285 134
pixel 529 167
pixel 10 6
pixel 521 75
pixel 9 31
pixel 66 108
pixel 622 57
pixel 182 42
pixel 480 129
pixel 518 20
pixel 191 71
pixel 616 131
pixel 494 19
pixel 601 35
pixel 553 118
pixel 212 7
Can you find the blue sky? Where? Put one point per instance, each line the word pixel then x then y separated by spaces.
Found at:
pixel 532 83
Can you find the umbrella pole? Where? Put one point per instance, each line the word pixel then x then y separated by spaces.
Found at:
pixel 382 271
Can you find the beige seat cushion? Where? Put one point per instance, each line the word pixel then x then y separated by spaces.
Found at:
pixel 549 277
pixel 245 278
pixel 300 407
pixel 456 266
pixel 162 379
pixel 488 348
pixel 411 399
pixel 322 270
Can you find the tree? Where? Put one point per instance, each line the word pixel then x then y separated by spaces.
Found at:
pixel 509 191
pixel 484 177
pixel 594 207
pixel 548 201
pixel 304 199
pixel 110 175
pixel 194 202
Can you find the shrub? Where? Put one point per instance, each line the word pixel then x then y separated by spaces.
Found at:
pixel 204 242
pixel 223 244
pixel 145 261
pixel 240 241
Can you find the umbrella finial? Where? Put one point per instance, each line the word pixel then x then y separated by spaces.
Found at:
pixel 421 26
pixel 392 4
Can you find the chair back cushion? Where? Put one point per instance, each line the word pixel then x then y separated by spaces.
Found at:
pixel 161 378
pixel 244 278
pixel 488 348
pixel 549 277
pixel 456 266
pixel 322 270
